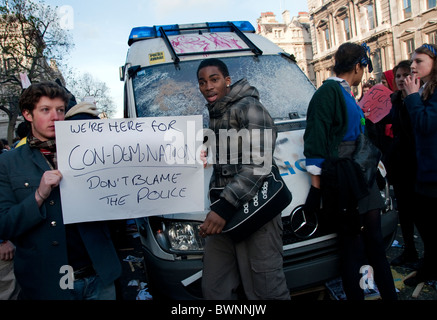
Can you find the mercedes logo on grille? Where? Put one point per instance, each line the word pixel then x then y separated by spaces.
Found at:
pixel 304 224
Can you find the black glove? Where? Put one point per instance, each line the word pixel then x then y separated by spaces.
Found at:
pixel 312 203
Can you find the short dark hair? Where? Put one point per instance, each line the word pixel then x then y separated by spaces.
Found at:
pixel 213 62
pixel 22 129
pixel 404 64
pixel 367 85
pixel 347 56
pixel 31 96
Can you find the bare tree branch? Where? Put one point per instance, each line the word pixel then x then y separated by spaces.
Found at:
pixel 86 85
pixel 30 38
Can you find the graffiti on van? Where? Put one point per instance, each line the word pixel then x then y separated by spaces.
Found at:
pixel 206 43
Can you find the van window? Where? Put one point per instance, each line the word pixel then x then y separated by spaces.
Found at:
pixel 169 90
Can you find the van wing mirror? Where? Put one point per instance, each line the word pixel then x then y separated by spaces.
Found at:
pixel 121 73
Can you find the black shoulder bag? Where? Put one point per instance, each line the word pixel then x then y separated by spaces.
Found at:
pixel 270 200
pixel 367 156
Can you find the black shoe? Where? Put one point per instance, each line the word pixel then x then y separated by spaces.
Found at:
pixel 414 281
pixel 418 278
pixel 409 259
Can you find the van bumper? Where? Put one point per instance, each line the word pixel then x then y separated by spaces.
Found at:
pixel 167 278
pixel 304 266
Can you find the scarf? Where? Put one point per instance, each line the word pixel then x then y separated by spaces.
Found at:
pixel 47 148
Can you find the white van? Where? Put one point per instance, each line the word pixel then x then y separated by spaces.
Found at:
pixel 160 80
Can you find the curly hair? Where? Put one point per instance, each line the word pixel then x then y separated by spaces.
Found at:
pixel 431 51
pixel 31 96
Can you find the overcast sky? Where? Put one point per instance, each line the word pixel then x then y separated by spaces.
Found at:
pixel 101 29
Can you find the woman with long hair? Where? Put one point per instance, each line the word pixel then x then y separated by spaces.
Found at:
pixel 421 102
pixel 401 166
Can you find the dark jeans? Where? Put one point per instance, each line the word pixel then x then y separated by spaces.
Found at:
pixel 93 288
pixel 407 207
pixel 426 222
pixel 359 249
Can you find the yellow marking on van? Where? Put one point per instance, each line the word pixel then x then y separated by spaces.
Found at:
pixel 157 57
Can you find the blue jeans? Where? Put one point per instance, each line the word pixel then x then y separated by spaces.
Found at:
pixel 92 288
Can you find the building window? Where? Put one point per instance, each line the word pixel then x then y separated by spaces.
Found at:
pixel 407 8
pixel 278 34
pixel 327 39
pixel 371 16
pixel 410 47
pixel 432 37
pixel 431 3
pixel 347 29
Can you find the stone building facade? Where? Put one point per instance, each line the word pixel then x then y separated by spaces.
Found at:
pixel 292 35
pixel 339 21
pixel 414 23
pixel 391 28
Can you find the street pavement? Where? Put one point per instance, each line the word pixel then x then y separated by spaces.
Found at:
pixel 132 285
pixel 429 290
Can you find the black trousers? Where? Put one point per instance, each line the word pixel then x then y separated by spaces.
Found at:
pixel 426 222
pixel 407 207
pixel 358 249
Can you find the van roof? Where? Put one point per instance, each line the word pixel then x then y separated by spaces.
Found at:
pixel 141 33
pixel 191 40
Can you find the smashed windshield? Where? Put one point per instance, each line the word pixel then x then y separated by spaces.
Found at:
pixel 167 90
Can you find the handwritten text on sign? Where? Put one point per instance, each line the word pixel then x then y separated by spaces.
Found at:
pixel 130 168
pixel 376 103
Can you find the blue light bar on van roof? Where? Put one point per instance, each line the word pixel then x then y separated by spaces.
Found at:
pixel 175 29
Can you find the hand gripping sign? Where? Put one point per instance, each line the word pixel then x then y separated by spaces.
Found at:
pixel 130 168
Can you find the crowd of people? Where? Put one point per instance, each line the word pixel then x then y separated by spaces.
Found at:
pixel 30 205
pixel 406 138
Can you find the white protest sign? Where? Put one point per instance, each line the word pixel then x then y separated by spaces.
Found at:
pixel 130 168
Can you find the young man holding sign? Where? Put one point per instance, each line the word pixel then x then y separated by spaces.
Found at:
pixel 53 260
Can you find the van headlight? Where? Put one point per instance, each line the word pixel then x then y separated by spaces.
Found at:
pixel 180 237
pixel 385 195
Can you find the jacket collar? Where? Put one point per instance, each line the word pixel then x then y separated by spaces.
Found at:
pixel 36 157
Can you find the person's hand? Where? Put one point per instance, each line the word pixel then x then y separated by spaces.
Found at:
pixel 213 224
pixel 7 250
pixel 203 157
pixel 411 84
pixel 49 180
pixel 314 197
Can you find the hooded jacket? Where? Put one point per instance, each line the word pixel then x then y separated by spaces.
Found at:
pixel 82 111
pixel 240 109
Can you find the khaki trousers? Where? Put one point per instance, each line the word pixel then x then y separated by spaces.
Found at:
pixel 255 263
pixel 9 288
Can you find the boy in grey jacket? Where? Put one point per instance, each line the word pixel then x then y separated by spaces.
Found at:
pixel 256 262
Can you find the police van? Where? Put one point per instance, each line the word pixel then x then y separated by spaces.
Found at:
pixel 160 80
